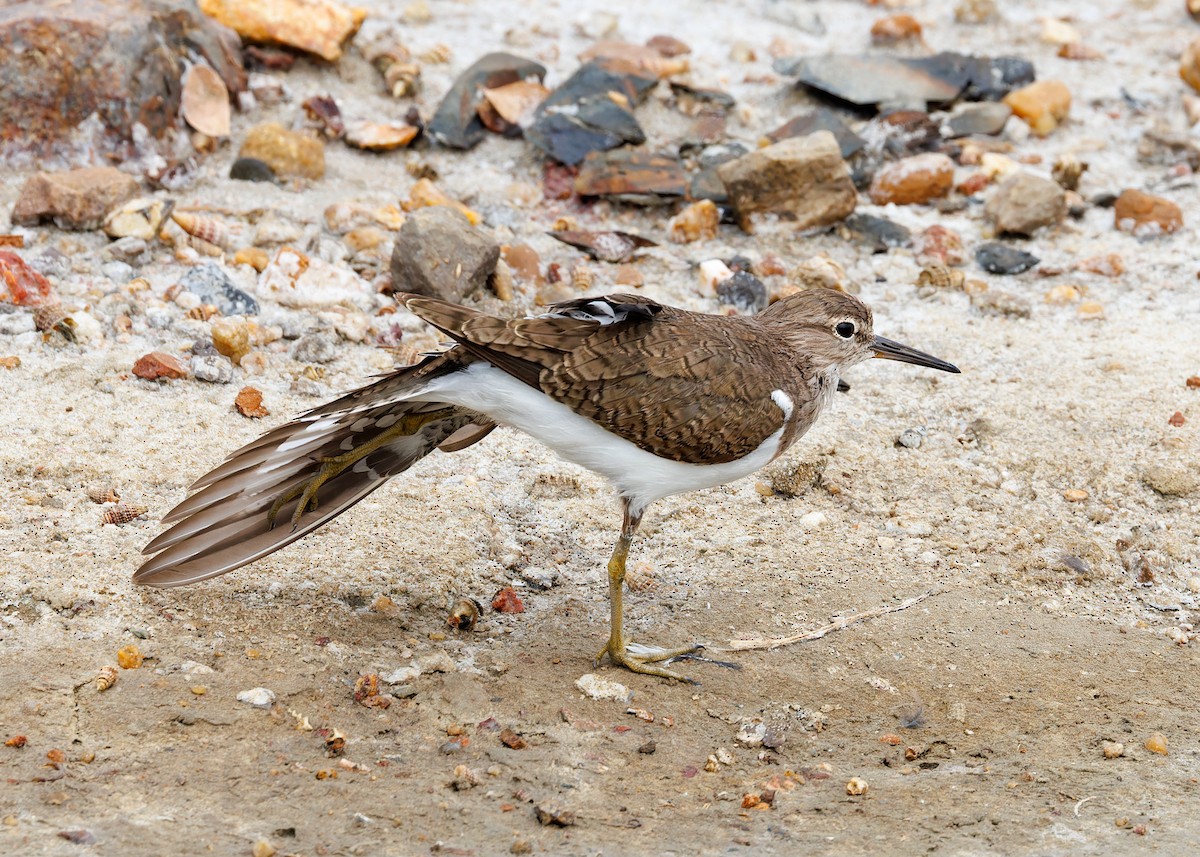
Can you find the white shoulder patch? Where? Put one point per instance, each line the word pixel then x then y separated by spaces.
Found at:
pixel 785 403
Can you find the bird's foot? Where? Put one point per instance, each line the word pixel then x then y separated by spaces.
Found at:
pixel 307 492
pixel 645 659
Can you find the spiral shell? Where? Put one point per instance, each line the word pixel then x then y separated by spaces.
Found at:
pixel 205 228
pixel 123 513
pixel 106 678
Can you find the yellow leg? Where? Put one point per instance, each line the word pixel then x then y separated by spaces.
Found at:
pixel 619 650
pixel 332 466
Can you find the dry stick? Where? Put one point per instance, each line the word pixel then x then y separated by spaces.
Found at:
pixel 776 642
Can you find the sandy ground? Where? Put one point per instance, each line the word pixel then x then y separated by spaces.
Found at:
pixel 1037 645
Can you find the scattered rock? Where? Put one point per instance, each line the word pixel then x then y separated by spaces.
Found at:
pixel 212 368
pixel 249 403
pixel 751 734
pixel 379 136
pixel 857 786
pixel 295 279
pixel 640 178
pixel 698 222
pixel 911 438
pixel 913 180
pixel 821 119
pixel 592 111
pixel 874 80
pixel 597 687
pixel 401 675
pixel 987 118
pixel 259 697
pixel 425 194
pixel 1024 202
pixel 288 153
pixel 878 233
pixel 1172 478
pixel 507 601
pixel 119 61
pixel 1113 749
pixel 22 285
pixel 940 245
pixel 438 253
pixel 158 366
pixel 1146 215
pixel 251 170
pixel 549 814
pixel 744 292
pixel 139 219
pixel 316 26
pixel 435 662
pixel 456 122
pixel 313 348
pixel 1043 105
pixel 997 258
pixel 213 286
pixel 1157 743
pixel 804 179
pixel 819 272
pixel 77 199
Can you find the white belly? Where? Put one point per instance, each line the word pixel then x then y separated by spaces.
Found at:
pixel 639 476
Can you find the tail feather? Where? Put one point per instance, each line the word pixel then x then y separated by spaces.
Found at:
pixel 224 524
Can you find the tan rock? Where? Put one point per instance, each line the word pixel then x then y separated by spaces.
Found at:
pixel 286 152
pixel 913 180
pixel 1144 214
pixel 316 26
pixel 1043 105
pixel 698 222
pixel 158 366
pixel 802 178
pixel 76 199
pixel 1025 202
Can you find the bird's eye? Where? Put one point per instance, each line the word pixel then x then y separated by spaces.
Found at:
pixel 845 329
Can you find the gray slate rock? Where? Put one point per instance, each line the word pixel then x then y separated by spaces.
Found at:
pixel 213 286
pixel 438 253
pixel 212 368
pixel 744 292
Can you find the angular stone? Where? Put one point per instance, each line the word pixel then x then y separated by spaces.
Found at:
pixel 821 119
pixel 76 199
pixel 456 123
pixel 642 178
pixel 1025 202
pixel 213 286
pixel 804 179
pixel 872 80
pixel 438 253
pixel 1043 105
pixel 987 118
pixel 997 258
pixel 287 153
pixel 877 233
pixel 744 292
pixel 1146 215
pixel 913 180
pixel 120 60
pixel 315 26
pixel 158 365
pixel 592 111
pixel 22 285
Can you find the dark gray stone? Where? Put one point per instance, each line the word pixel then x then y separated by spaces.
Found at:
pixel 213 286
pixel 878 233
pixel 438 253
pixel 744 292
pixel 456 123
pixel 997 258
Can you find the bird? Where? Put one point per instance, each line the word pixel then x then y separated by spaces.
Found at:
pixel 658 400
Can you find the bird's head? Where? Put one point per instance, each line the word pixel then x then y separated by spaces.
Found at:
pixel 835 331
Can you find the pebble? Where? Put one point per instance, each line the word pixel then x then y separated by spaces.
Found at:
pixel 751 733
pixel 939 244
pixel 259 697
pixel 597 687
pixel 913 180
pixel 911 438
pixel 986 118
pixel 744 292
pixel 1043 105
pixel 317 27
pixel 1157 743
pixel 819 272
pixel 857 786
pixel 438 253
pixel 1075 495
pixel 124 249
pixel 139 218
pixel 212 368
pixel 249 403
pixel 76 199
pixel 698 222
pixel 1146 215
pixel 251 170
pixel 878 233
pixel 213 286
pixel 316 347
pixel 288 153
pixel 997 258
pixel 402 675
pixel 1189 65
pixel 1113 749
pixel 20 284
pixel 158 366
pixel 1024 202
pixel 1091 310
pixel 812 521
pixel 295 279
pixel 802 178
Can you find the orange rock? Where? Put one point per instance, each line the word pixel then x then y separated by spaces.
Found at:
pixel 249 403
pixel 20 284
pixel 916 179
pixel 316 26
pixel 1043 105
pixel 1177 419
pixel 156 365
pixel 1189 65
pixel 973 184
pixel 507 601
pixel 1144 214
pixel 895 28
pixel 698 222
pixel 524 262
pixel 288 153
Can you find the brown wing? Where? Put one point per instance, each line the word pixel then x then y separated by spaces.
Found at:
pixel 675 383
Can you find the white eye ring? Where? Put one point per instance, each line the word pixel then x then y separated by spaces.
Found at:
pixel 845 329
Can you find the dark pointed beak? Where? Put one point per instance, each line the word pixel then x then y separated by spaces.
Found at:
pixel 889 350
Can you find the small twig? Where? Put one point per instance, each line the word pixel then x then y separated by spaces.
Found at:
pixel 776 642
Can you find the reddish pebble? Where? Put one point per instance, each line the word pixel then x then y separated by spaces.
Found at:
pixel 1177 419
pixel 690 771
pixel 895 28
pixel 1193 383
pixel 940 244
pixel 156 365
pixel 249 403
pixel 973 184
pixel 507 601
pixel 20 284
pixel 1144 214
pixel 17 741
pixel 916 179
pixel 524 261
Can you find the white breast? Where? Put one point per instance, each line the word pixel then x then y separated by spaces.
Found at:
pixel 640 476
